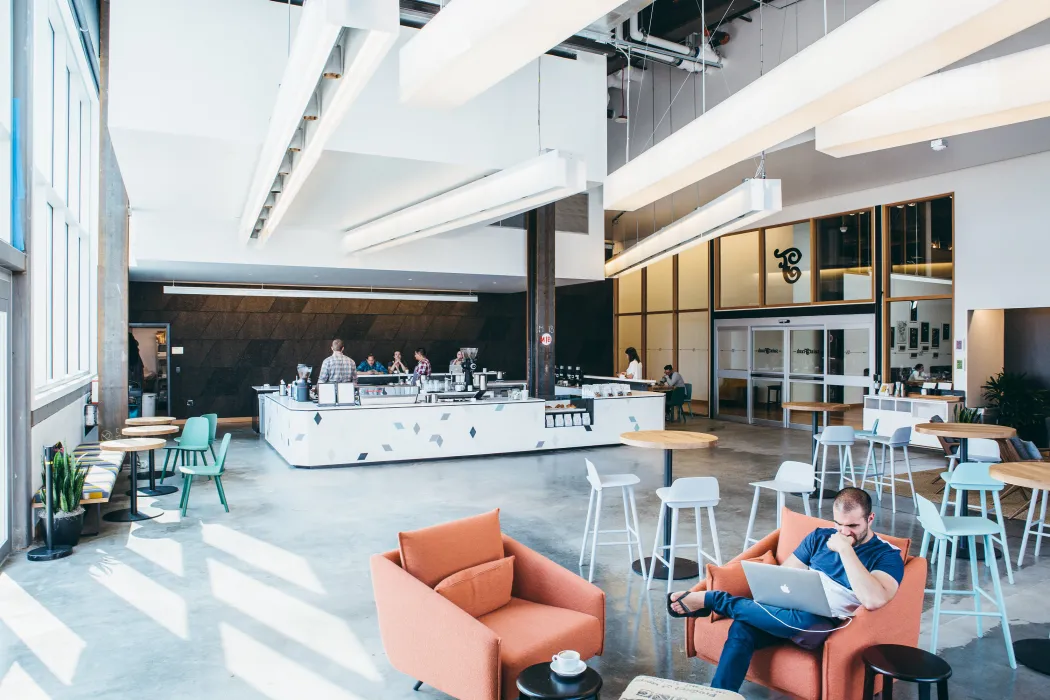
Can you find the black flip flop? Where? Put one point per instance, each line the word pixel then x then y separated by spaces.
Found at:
pixel 702 612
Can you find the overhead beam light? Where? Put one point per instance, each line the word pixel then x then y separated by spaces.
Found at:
pixel 850 66
pixel 983 95
pixel 736 209
pixel 470 45
pixel 538 181
pixel 348 38
pixel 316 293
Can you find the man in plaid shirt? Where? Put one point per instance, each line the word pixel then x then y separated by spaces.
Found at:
pixel 422 365
pixel 337 367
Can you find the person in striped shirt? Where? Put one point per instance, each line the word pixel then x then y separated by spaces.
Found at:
pixel 337 367
pixel 422 365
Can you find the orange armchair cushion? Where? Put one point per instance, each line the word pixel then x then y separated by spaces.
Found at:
pixel 731 579
pixel 435 553
pixel 532 632
pixel 480 589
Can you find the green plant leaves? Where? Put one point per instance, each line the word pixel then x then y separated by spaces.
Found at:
pixel 1020 404
pixel 67 481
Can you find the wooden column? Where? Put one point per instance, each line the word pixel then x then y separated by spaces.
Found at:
pixel 539 284
pixel 112 265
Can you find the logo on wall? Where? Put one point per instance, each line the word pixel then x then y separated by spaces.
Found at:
pixel 546 339
pixel 768 351
pixel 789 260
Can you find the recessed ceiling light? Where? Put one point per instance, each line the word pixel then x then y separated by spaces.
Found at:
pixel 911 204
pixel 900 206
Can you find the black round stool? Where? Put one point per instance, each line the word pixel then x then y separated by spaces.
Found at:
pixel 897 662
pixel 539 682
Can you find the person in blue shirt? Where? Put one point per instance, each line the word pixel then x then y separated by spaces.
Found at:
pixel 371 366
pixel 857 569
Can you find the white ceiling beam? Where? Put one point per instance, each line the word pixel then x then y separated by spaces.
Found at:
pixel 533 183
pixel 737 209
pixel 371 29
pixel 888 45
pixel 470 45
pixel 997 92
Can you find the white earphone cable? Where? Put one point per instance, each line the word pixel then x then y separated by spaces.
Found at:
pixel 834 629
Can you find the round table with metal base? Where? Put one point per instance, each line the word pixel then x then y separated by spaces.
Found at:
pixel 49 554
pixel 539 681
pixel 154 489
pixel 150 420
pixel 132 446
pixel 815 408
pixel 668 441
pixel 963 432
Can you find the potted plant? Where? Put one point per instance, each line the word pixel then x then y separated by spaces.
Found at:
pixel 67 488
pixel 967 415
pixel 1018 403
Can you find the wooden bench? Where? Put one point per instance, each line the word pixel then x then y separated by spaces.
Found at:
pixel 103 468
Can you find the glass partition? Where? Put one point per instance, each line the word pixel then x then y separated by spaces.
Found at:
pixel 920 248
pixel 659 285
pixel 659 344
pixel 694 351
pixel 738 270
pixel 844 250
pixel 693 277
pixel 630 294
pixel 788 258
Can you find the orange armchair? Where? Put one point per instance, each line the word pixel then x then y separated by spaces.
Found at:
pixel 433 640
pixel 835 671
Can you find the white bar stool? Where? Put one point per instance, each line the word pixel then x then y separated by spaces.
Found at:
pixel 840 436
pixel 879 478
pixel 944 528
pixel 693 492
pixel 1040 530
pixel 626 484
pixel 792 477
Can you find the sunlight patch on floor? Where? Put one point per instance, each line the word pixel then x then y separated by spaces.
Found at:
pixel 17 685
pixel 162 605
pixel 164 552
pixel 292 567
pixel 56 645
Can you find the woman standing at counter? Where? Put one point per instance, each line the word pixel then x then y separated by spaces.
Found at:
pixel 634 368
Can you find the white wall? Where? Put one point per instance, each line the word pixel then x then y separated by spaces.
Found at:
pixel 984 354
pixel 1002 233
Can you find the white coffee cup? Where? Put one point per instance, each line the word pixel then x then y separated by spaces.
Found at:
pixel 566 661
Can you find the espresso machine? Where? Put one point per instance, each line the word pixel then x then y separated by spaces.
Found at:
pixel 301 386
pixel 470 366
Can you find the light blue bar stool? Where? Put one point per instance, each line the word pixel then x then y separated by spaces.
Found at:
pixel 880 478
pixel 841 437
pixel 974 476
pixel 868 433
pixel 944 528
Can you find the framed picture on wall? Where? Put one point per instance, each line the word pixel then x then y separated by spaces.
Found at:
pixel 925 331
pixel 902 332
pixel 902 348
pixel 946 331
pixel 913 338
pixel 935 337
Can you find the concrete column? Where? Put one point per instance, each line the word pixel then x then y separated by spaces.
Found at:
pixel 112 265
pixel 539 281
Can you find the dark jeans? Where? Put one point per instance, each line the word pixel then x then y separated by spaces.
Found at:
pixel 754 628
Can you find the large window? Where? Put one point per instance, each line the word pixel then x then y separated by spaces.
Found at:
pixel 788 259
pixel 920 248
pixel 738 275
pixel 844 257
pixel 64 218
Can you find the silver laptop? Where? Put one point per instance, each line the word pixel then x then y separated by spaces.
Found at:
pixel 784 587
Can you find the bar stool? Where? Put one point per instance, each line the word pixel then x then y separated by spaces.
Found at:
pixel 792 477
pixel 974 476
pixel 692 492
pixel 840 436
pixel 943 528
pixel 899 439
pixel 898 662
pixel 626 484
pixel 1040 531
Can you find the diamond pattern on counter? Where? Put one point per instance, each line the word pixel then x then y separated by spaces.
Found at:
pixel 388 448
pixel 415 428
pixel 438 439
pixel 362 456
pixel 539 444
pixel 398 426
pixel 445 416
pixel 499 407
pixel 317 418
pixel 473 432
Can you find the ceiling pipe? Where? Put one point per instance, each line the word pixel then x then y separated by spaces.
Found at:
pixel 640 37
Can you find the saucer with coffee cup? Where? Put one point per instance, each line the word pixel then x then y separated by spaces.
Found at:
pixel 568 663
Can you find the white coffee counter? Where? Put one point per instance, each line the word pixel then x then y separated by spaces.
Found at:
pixel 898 412
pixel 307 435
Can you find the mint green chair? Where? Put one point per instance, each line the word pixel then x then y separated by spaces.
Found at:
pixel 944 528
pixel 194 440
pixel 214 470
pixel 213 427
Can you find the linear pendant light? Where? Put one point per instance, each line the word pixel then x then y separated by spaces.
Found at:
pixel 315 293
pixel 470 45
pixel 538 181
pixel 984 95
pixel 888 45
pixel 361 33
pixel 736 209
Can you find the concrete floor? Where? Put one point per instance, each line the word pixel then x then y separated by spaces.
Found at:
pixel 274 599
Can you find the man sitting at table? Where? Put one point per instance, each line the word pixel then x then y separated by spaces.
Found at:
pixel 671 378
pixel 856 567
pixel 371 366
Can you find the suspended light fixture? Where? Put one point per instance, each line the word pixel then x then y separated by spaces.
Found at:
pixel 333 70
pixel 313 108
pixel 277 185
pixel 286 164
pixel 317 293
pixel 538 181
pixel 736 209
pixel 298 140
pixel 270 200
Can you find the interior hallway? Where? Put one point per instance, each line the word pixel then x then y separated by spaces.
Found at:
pixel 274 600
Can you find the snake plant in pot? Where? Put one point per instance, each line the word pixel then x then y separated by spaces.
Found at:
pixel 67 488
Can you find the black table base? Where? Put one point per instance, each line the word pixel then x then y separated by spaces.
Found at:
pixel 683 568
pixel 153 489
pixel 132 514
pixel 45 553
pixel 1034 653
pixel 540 682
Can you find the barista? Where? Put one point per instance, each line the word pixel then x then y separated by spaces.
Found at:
pixel 456 366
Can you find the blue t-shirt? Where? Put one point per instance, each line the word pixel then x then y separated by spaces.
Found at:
pixel 875 555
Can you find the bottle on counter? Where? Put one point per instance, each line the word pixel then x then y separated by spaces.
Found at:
pixel 284 388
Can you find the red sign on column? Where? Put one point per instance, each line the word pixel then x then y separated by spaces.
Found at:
pixel 546 339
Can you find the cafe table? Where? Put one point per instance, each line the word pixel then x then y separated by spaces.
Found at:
pixel 132 446
pixel 150 420
pixel 1033 653
pixel 669 441
pixel 161 431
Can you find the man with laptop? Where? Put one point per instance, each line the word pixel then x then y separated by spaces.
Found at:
pixel 815 592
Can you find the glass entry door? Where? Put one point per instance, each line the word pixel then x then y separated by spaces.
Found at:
pixel 768 358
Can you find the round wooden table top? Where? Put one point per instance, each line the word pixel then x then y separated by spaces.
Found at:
pixel 152 420
pixel 815 406
pixel 133 445
pixel 668 439
pixel 966 430
pixel 149 430
pixel 1030 475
